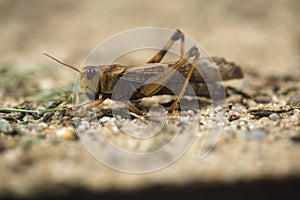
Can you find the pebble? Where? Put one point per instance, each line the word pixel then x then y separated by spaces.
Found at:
pixel 243 122
pixel 76 119
pixel 28 118
pixel 104 120
pixel 233 116
pixel 81 128
pixel 251 126
pixel 239 110
pixel 297 112
pixel 274 117
pixel 220 124
pixel 66 133
pixel 5 127
pixel 86 124
pixel 115 130
pixel 94 124
pixel 57 113
pixel 251 103
pixel 218 108
pixel 191 112
pixel 294 118
pixel 263 99
pixel 35 127
pixel 184 118
pixel 294 100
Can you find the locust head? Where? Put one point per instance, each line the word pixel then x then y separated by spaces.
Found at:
pixel 89 80
pixel 96 80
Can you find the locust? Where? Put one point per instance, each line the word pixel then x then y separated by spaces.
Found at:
pixel 98 83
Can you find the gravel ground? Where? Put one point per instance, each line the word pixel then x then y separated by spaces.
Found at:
pixel 256 156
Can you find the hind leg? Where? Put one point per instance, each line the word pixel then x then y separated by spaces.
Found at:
pixel 177 35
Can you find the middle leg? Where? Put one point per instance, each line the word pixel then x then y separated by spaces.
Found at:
pixel 193 52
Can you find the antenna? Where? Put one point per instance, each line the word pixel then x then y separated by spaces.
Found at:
pixel 67 65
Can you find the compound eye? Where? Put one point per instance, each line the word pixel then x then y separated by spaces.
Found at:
pixel 90 73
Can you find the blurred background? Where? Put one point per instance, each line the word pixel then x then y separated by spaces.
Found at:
pixel 259 35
